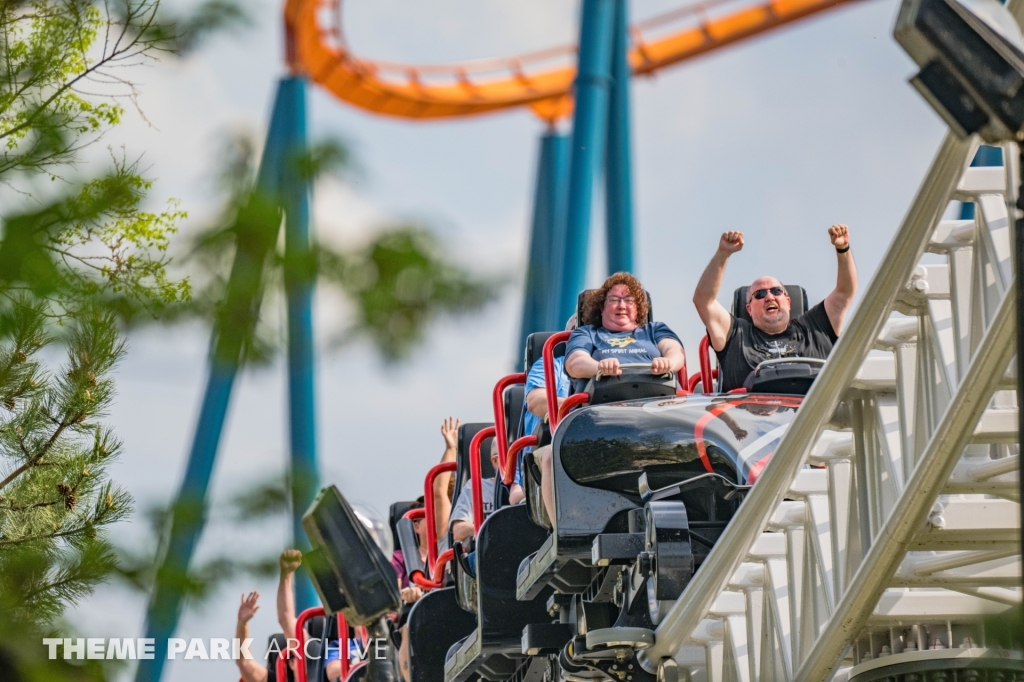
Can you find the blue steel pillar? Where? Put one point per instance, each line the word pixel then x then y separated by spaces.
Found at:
pixel 590 120
pixel 985 156
pixel 618 190
pixel 257 226
pixel 540 300
pixel 299 280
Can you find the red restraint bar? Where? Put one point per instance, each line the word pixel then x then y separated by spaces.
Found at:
pixel 571 402
pixel 475 475
pixel 498 402
pixel 508 474
pixel 550 380
pixel 300 637
pixel 706 378
pixel 430 514
pixel 696 379
pixel 437 571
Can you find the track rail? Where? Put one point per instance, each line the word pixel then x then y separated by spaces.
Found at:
pixel 540 80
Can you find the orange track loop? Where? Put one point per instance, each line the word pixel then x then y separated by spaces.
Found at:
pixel 443 91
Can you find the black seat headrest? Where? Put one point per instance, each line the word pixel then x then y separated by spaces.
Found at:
pixel 535 348
pixel 395 514
pixel 466 433
pixel 797 301
pixel 583 294
pixel 515 405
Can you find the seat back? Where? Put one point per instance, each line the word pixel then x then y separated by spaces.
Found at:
pixel 535 348
pixel 435 623
pixel 797 301
pixel 506 538
pixel 462 470
pixel 395 514
pixel 515 405
pixel 583 295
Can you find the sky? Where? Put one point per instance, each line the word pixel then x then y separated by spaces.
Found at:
pixel 779 137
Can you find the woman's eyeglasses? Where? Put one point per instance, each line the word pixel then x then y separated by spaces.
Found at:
pixel 615 300
pixel 761 293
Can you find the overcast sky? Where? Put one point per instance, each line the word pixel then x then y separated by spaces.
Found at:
pixel 780 137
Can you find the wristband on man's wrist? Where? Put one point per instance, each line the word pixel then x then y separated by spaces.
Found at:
pixel 838 250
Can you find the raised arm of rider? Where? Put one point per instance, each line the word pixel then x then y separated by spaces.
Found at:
pixel 713 314
pixel 250 669
pixel 290 561
pixel 442 504
pixel 839 301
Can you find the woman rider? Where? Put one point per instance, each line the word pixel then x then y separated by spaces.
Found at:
pixel 614 330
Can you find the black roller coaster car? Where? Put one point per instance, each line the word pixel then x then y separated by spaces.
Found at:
pixel 647 474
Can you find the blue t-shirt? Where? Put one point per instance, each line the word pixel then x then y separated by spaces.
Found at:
pixel 639 345
pixel 534 380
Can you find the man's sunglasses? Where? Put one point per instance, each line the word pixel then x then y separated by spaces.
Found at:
pixel 761 293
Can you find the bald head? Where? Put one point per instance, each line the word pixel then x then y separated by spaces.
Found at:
pixel 768 305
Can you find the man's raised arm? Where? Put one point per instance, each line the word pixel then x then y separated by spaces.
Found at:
pixel 712 313
pixel 838 302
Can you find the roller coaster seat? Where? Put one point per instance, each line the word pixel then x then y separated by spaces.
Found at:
pixel 505 539
pixel 515 406
pixel 395 514
pixel 535 348
pixel 436 623
pixel 792 376
pixel 797 301
pixel 797 306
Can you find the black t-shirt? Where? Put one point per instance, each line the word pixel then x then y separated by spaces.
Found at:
pixel 808 336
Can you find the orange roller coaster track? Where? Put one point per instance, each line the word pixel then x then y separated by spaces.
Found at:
pixel 540 80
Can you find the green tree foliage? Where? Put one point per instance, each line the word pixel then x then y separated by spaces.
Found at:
pixel 79 256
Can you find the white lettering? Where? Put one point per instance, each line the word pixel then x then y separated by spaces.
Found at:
pixel 274 648
pixel 219 649
pixel 146 646
pixel 52 643
pixel 175 645
pixel 293 647
pixel 196 648
pixel 243 650
pixel 361 653
pixel 379 646
pixel 121 649
pixel 305 650
pixel 78 648
pixel 94 647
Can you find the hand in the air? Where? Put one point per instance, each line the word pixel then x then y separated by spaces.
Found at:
pixel 609 367
pixel 731 241
pixel 840 236
pixel 661 366
pixel 291 559
pixel 248 607
pixel 450 432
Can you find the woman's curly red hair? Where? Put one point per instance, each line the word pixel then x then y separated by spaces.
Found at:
pixel 593 301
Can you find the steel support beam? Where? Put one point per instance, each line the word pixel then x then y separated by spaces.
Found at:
pixel 590 120
pixel 258 227
pixel 299 285
pixel 933 469
pixel 618 190
pixel 547 237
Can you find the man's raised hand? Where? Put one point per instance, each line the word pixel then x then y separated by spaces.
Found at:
pixel 840 236
pixel 731 241
pixel 450 431
pixel 248 607
pixel 291 559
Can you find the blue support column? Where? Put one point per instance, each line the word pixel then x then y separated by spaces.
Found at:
pixel 299 283
pixel 618 169
pixel 257 227
pixel 985 156
pixel 590 120
pixel 540 300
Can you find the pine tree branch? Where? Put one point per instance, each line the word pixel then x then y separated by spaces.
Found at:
pixel 38 456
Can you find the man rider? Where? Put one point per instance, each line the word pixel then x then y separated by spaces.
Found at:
pixel 742 345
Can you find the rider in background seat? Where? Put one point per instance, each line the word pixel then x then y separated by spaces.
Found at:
pixel 462 514
pixel 742 346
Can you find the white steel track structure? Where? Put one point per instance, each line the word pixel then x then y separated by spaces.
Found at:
pixel 886 527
